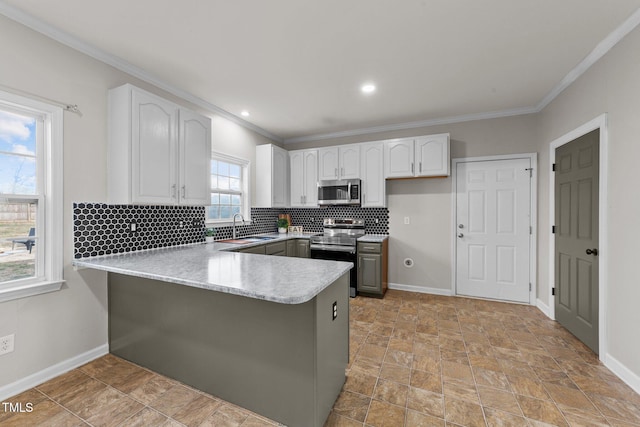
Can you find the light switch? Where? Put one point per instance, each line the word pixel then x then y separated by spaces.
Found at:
pixel 407 220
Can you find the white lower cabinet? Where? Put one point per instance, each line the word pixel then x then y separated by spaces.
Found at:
pixel 158 152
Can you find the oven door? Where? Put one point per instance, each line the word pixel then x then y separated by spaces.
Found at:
pixel 339 253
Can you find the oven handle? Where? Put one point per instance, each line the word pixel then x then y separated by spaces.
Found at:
pixel 334 248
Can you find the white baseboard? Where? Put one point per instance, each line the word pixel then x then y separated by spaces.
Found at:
pixel 624 373
pixel 46 374
pixel 544 308
pixel 421 289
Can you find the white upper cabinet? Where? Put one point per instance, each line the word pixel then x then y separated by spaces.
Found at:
pixel 416 157
pixel 304 178
pixel 398 158
pixel 158 152
pixel 272 176
pixel 341 162
pixel 371 167
pixel 195 158
pixel 432 155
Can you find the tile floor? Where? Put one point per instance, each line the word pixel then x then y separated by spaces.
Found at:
pixel 416 360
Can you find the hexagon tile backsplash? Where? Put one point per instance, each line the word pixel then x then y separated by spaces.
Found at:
pixel 103 229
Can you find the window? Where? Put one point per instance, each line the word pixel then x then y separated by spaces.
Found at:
pixel 229 188
pixel 30 197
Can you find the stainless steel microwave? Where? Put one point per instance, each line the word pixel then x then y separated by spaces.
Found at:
pixel 340 192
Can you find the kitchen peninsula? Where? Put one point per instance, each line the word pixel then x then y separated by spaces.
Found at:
pixel 268 333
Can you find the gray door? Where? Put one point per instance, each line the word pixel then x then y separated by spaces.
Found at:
pixel 576 235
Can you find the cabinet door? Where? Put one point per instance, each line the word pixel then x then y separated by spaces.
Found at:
pixel 277 249
pixel 260 250
pixel 328 164
pixel 195 158
pixel 291 248
pixel 432 155
pixel 310 178
pixel 302 249
pixel 154 150
pixel 399 159
pixel 373 183
pixel 296 162
pixel 369 274
pixel 349 162
pixel 279 178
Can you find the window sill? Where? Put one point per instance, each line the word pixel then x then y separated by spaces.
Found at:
pixel 23 291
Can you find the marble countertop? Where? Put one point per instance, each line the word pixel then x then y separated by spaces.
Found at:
pixel 373 238
pixel 285 280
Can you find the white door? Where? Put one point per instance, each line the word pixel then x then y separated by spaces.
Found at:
pixel 432 155
pixel 328 167
pixel 373 183
pixel 398 159
pixel 350 162
pixel 310 178
pixel 296 163
pixel 492 227
pixel 195 158
pixel 154 150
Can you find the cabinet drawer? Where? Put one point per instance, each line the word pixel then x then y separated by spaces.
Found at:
pixel 373 248
pixel 278 248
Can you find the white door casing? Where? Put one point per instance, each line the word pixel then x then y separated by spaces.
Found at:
pixel 493 250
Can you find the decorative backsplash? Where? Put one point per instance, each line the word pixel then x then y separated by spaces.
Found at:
pixel 102 229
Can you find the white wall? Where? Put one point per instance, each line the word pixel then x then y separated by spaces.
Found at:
pixel 58 326
pixel 427 202
pixel 611 86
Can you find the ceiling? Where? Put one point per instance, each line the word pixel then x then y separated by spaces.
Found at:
pixel 297 65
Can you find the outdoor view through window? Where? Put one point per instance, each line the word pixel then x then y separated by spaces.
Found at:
pixel 19 195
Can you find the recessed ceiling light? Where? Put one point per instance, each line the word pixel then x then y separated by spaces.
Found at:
pixel 244 113
pixel 368 88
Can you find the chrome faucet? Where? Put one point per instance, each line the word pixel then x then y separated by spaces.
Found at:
pixel 234 223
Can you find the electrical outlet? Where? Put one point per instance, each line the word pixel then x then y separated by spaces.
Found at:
pixel 407 220
pixel 6 344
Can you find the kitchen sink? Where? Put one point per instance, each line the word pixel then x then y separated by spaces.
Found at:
pixel 260 237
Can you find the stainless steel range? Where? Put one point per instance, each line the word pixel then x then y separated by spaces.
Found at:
pixel 338 243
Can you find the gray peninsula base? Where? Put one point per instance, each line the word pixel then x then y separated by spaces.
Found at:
pixel 284 361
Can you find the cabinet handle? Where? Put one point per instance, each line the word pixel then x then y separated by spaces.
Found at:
pixel 411 167
pixel 184 192
pixel 420 167
pixel 173 191
pixel 336 172
pixel 342 171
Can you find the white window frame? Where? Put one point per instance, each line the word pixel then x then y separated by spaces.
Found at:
pixel 246 188
pixel 49 267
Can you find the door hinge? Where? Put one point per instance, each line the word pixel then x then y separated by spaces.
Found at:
pixel 553 167
pixel 529 287
pixel 530 172
pixel 530 230
pixel 553 229
pixel 553 291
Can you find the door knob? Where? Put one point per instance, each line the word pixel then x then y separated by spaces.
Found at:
pixel 593 252
pixel 460 235
pixel 460 226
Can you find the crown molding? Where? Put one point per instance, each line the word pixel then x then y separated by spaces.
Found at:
pixel 413 125
pixel 67 39
pixel 598 52
pixel 54 33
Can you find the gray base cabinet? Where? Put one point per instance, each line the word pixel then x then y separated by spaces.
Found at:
pixel 372 268
pixel 284 361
